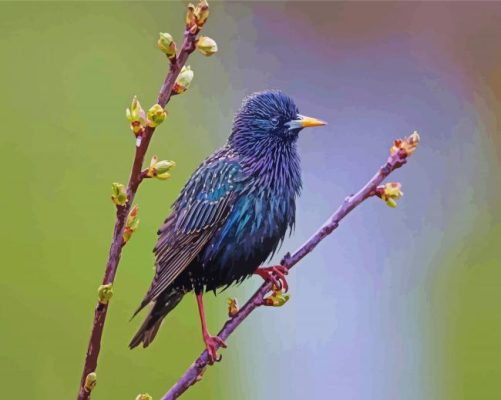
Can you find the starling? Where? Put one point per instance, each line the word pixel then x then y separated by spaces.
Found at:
pixel 232 214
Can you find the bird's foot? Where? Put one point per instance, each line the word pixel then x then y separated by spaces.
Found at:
pixel 276 275
pixel 211 343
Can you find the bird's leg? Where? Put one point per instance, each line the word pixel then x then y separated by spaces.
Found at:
pixel 276 275
pixel 211 342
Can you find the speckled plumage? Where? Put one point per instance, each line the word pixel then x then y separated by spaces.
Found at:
pixel 234 211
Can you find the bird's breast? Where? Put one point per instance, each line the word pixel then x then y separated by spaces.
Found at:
pixel 262 211
pixel 252 233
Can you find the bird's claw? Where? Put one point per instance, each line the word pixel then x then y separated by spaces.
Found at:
pixel 211 343
pixel 276 275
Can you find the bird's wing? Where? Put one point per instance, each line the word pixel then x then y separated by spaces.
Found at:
pixel 200 210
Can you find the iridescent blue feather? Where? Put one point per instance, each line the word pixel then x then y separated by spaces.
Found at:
pixel 233 213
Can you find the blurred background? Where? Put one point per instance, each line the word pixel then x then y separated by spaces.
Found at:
pixel 397 304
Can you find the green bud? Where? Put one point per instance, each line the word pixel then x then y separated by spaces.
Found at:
pixel 391 203
pixel 105 293
pixel 407 145
pixel 164 176
pixel 144 396
pixel 206 45
pixel 156 115
pixel 276 299
pixel 202 13
pixel 233 307
pixel 190 16
pixel 167 45
pixel 160 169
pixel 151 169
pixel 90 382
pixel 118 194
pixel 164 166
pixel 132 220
pixel 393 190
pixel 131 224
pixel 183 80
pixel 135 114
pixel 389 193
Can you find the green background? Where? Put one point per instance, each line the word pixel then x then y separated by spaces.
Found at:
pixel 67 75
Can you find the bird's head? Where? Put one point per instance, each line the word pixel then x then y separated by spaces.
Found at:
pixel 267 118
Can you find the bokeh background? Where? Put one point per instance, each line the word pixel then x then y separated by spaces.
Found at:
pixel 398 304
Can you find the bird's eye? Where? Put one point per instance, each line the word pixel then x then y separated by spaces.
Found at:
pixel 275 121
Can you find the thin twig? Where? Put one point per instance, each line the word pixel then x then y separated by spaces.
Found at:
pixel 122 211
pixel 194 373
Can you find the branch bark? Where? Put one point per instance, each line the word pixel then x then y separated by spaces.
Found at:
pixel 117 243
pixel 399 157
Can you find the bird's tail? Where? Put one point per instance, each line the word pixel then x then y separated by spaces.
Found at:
pixel 148 330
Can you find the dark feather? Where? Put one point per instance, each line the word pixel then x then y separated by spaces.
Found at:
pixel 234 211
pixel 151 324
pixel 200 210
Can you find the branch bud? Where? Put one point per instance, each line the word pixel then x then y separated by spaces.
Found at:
pixel 156 115
pixel 206 45
pixel 197 16
pixel 167 45
pixel 135 114
pixel 160 169
pixel 105 293
pixel 190 17
pixel 131 224
pixel 90 382
pixel 201 13
pixel 407 145
pixel 232 307
pixel 277 298
pixel 389 193
pixel 183 80
pixel 118 194
pixel 144 396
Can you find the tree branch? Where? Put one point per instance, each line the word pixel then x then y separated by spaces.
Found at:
pixel 117 243
pixel 399 153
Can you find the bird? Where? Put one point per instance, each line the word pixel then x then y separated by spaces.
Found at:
pixel 232 214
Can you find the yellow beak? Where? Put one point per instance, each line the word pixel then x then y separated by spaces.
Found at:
pixel 304 122
pixel 307 122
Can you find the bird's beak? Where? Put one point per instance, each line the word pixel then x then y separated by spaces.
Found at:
pixel 305 122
